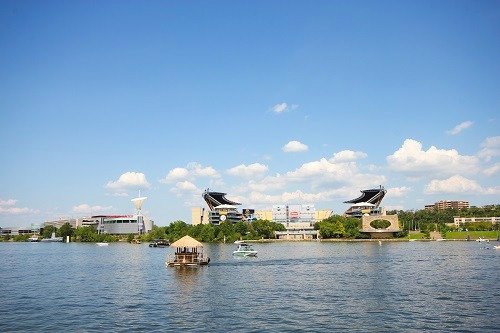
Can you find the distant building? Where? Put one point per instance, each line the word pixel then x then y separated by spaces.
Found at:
pixel 444 204
pixel 14 231
pixel 119 224
pixel 367 208
pixel 457 221
pixel 220 210
pixel 368 203
pixel 298 219
pixel 74 223
pixel 109 224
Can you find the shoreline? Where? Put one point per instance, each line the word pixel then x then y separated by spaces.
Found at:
pixel 395 240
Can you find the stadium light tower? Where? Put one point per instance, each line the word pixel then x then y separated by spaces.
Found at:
pixel 138 202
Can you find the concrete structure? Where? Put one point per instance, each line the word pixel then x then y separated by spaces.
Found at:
pixel 264 215
pixel 461 220
pixel 118 224
pixel 200 215
pixel 380 233
pixel 367 203
pixel 220 209
pixel 75 223
pixel 295 233
pixel 14 231
pixel 297 219
pixel 293 213
pixel 322 214
pixel 444 204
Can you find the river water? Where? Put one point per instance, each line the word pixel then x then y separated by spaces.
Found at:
pixel 289 287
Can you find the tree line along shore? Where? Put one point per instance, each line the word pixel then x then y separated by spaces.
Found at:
pixel 414 225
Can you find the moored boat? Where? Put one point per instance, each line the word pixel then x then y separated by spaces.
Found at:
pixel 53 238
pixel 188 253
pixel 33 239
pixel 159 243
pixel 102 244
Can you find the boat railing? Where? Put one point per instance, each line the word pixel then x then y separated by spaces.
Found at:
pixel 186 258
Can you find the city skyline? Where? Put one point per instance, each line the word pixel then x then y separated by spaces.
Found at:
pixel 270 102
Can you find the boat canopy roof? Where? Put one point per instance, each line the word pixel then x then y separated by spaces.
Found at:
pixel 186 241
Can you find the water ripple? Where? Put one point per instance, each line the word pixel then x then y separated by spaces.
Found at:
pixel 289 287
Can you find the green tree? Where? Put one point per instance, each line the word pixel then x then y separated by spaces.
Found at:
pixel 207 233
pixel 225 231
pixel 65 230
pixel 263 229
pixel 48 230
pixel 177 230
pixel 156 233
pixel 241 228
pixel 86 234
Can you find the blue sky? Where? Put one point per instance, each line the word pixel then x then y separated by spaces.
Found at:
pixel 273 102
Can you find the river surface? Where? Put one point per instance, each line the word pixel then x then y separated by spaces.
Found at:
pixel 289 287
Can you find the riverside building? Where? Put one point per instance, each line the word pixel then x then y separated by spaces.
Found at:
pixel 444 204
pixel 296 218
pixel 112 224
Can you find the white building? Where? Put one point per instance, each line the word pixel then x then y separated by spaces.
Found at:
pixel 460 220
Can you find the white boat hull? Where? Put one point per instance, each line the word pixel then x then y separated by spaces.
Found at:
pixel 245 253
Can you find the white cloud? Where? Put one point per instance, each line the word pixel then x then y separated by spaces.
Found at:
pixel 460 185
pixel 318 174
pixel 186 186
pixel 198 170
pixel 188 191
pixel 129 181
pixel 411 159
pixel 176 174
pixel 8 202
pixel 298 196
pixel 347 156
pixel 397 192
pixel 87 209
pixel 494 169
pixel 190 172
pixel 251 170
pixel 280 108
pixel 7 207
pixel 294 147
pixel 491 148
pixel 460 127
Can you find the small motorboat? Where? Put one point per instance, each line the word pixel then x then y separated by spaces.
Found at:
pixel 159 243
pixel 480 239
pixel 102 244
pixel 245 250
pixel 34 239
pixel 52 238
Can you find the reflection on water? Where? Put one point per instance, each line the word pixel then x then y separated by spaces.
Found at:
pixel 303 286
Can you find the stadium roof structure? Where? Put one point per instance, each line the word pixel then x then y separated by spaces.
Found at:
pixel 373 196
pixel 214 199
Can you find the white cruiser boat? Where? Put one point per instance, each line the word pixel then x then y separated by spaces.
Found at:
pixel 245 250
pixel 52 238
